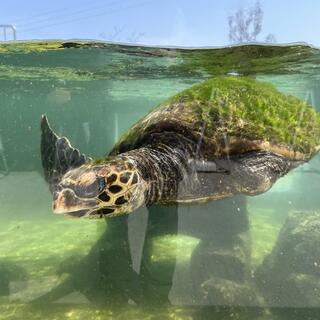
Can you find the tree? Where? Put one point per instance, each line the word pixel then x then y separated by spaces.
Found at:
pixel 246 25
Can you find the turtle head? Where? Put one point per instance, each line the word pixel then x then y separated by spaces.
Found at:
pixel 98 191
pixel 85 188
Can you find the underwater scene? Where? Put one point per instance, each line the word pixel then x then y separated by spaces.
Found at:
pixel 206 207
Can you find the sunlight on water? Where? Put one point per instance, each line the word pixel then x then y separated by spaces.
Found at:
pixel 238 258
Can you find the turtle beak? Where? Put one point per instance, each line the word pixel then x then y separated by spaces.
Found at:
pixel 67 202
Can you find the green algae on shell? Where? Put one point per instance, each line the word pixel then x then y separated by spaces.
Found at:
pixel 234 115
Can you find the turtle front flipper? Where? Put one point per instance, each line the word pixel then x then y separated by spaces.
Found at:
pixel 57 155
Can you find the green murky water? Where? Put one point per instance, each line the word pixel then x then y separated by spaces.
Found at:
pixel 221 260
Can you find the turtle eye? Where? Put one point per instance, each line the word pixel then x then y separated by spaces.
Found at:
pixel 90 190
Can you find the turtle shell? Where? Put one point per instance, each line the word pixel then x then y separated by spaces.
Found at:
pixel 233 115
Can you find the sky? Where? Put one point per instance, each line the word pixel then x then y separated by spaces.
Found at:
pixel 188 23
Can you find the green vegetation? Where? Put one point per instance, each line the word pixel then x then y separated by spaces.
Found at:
pixel 43 46
pixel 253 110
pixel 245 59
pixel 39 73
pixel 239 108
pixel 140 62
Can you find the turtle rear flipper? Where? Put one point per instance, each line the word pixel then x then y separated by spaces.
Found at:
pixel 57 155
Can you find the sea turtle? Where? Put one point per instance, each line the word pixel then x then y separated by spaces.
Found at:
pixel 224 136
